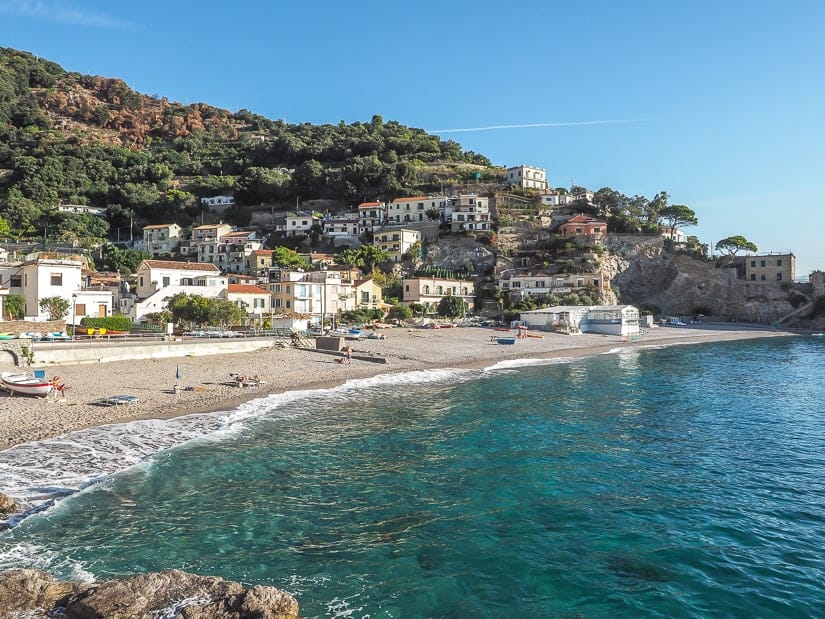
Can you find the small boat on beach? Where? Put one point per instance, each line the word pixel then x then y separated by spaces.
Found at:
pixel 26 384
pixel 506 340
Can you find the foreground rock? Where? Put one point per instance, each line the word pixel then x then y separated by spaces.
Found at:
pixel 8 505
pixel 188 596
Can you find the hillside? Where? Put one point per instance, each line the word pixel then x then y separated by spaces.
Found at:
pixel 79 139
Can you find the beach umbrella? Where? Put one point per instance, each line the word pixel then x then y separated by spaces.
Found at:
pixel 177 372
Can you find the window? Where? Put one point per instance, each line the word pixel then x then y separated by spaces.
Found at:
pixel 762 277
pixel 779 262
pixel 580 282
pixel 753 277
pixel 17 282
pixel 80 309
pixel 516 284
pixel 761 263
pixel 753 263
pixel 140 281
pixel 57 279
pixel 778 276
pixel 165 281
pixel 365 296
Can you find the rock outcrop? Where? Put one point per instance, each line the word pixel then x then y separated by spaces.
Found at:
pixel 8 505
pixel 644 272
pixel 173 592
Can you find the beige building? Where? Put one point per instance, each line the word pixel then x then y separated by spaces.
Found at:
pixel 367 294
pixel 396 241
pixel 161 238
pixel 770 268
pixel 430 290
pixel 521 286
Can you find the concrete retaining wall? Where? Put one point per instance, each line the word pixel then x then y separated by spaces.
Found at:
pixel 47 354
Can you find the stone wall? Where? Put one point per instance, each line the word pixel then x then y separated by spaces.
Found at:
pixel 27 326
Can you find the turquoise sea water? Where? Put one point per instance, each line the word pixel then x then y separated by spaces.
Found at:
pixel 678 482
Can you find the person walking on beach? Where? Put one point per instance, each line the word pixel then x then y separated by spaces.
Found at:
pixel 348 354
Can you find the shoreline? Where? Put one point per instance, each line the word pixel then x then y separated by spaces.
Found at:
pixel 24 420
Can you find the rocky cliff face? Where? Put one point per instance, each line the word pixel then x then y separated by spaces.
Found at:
pixel 172 593
pixel 643 272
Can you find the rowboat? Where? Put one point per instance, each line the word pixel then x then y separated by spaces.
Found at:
pixel 25 384
pixel 506 340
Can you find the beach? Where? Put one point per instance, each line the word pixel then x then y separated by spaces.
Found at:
pixel 206 382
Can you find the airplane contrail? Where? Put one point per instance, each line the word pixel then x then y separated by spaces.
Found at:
pixel 550 124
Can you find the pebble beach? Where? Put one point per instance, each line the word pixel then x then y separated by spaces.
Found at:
pixel 206 382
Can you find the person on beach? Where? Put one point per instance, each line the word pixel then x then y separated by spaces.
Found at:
pixel 348 354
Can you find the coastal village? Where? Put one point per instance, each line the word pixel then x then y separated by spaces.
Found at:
pixel 247 362
pixel 221 261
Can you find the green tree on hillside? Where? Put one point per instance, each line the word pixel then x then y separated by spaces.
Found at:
pixel 734 244
pixel 677 215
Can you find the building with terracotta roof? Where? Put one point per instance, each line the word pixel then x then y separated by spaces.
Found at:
pixel 254 300
pixel 583 225
pixel 158 281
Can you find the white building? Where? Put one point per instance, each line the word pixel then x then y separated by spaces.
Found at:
pixel 154 275
pixel 38 279
pixel 218 201
pixel 413 209
pixel 554 197
pixel 230 252
pixel 344 226
pixel 160 280
pixel 620 320
pixel 371 216
pixel 82 209
pixel 470 212
pixel 299 224
pixel 527 177
pixel 161 239
pixel 396 241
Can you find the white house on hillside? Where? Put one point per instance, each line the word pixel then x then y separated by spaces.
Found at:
pixel 527 177
pixel 396 241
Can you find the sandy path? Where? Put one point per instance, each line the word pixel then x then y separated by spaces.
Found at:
pixel 24 419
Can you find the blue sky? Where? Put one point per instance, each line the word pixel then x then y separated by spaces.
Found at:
pixel 719 103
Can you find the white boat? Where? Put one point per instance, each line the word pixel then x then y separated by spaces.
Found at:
pixel 25 384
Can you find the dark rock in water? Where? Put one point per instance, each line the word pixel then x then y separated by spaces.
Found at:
pixel 189 595
pixel 28 590
pixel 8 505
